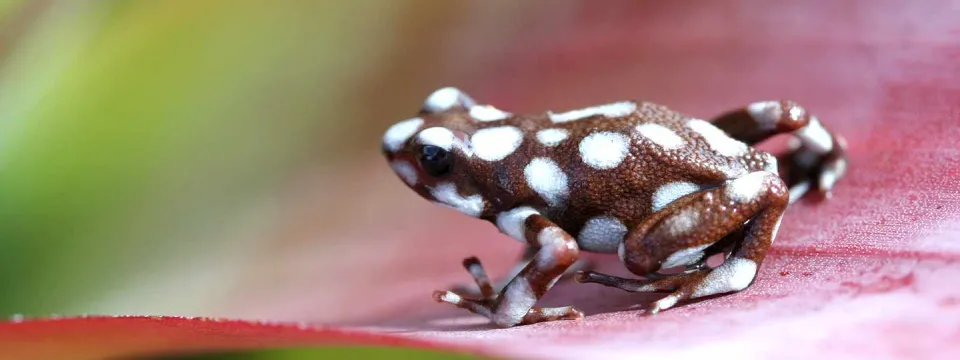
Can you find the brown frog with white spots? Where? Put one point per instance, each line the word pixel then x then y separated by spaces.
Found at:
pixel 663 190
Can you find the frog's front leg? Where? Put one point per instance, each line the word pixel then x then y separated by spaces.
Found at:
pixel 678 235
pixel 817 158
pixel 514 304
pixel 528 253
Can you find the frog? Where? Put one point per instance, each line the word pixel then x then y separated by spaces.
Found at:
pixel 661 189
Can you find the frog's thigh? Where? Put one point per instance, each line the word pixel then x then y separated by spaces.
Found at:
pixel 679 234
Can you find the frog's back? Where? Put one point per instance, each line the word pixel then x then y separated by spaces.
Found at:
pixel 626 160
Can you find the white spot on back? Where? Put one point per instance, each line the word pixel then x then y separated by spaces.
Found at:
pixel 670 192
pixel 552 137
pixel 717 139
pixel 748 187
pixel 765 113
pixel 734 275
pixel 487 113
pixel 604 150
pixel 511 222
pixel 660 135
pixel 406 171
pixel 688 256
pixel 398 134
pixel 547 179
pixel 815 136
pixel 446 98
pixel 437 136
pixel 447 195
pixel 617 109
pixel 493 144
pixel 602 234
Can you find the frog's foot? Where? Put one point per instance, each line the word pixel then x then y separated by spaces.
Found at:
pixel 817 158
pixel 486 308
pixel 486 304
pixel 470 290
pixel 815 164
pixel 682 286
pixel 556 251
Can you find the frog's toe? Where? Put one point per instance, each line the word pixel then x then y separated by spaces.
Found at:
pixel 632 285
pixel 538 315
pixel 663 304
pixel 479 307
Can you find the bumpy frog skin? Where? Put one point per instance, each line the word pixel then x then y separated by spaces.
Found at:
pixel 663 190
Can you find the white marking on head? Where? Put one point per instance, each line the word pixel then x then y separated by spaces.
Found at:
pixel 815 136
pixel 521 299
pixel 511 222
pixel 617 109
pixel 446 98
pixel 748 187
pixel 447 195
pixel 718 140
pixel 776 229
pixel 493 144
pixel 685 257
pixel 735 274
pixel 622 251
pixel 604 150
pixel 406 171
pixel 660 135
pixel 437 136
pixel 602 234
pixel 670 192
pixel 766 113
pixel 398 134
pixel 487 113
pixel 549 238
pixel 547 179
pixel 552 137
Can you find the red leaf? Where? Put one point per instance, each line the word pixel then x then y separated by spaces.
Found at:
pixel 112 337
pixel 870 273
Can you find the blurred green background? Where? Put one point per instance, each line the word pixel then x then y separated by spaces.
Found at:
pixel 149 149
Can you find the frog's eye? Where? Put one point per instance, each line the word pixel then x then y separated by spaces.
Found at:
pixel 435 160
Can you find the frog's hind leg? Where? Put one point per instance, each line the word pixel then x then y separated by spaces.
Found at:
pixel 680 233
pixel 816 159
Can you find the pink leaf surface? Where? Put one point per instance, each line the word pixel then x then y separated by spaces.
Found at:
pixel 871 273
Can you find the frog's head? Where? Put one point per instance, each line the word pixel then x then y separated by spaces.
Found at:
pixel 436 153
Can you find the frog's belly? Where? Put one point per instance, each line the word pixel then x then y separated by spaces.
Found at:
pixel 602 235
